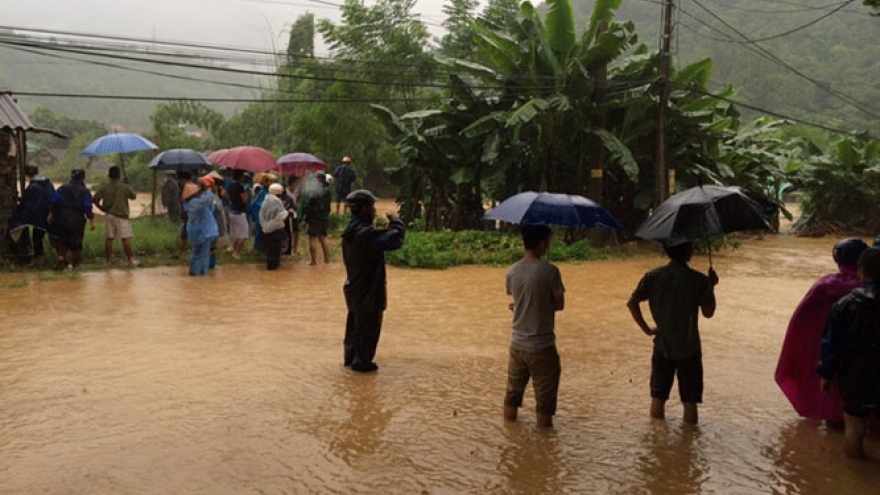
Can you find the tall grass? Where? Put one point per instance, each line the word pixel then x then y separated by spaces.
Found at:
pixel 152 237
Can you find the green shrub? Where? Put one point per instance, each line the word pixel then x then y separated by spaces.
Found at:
pixel 447 248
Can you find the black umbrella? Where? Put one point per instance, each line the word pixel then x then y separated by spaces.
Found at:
pixel 705 211
pixel 179 159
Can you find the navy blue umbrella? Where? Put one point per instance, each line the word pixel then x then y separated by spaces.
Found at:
pixel 179 159
pixel 561 210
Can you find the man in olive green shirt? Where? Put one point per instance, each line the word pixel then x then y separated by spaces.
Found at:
pixel 112 198
pixel 676 294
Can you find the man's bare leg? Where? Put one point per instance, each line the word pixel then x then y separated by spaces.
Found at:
pixel 325 249
pixel 690 413
pixel 108 250
pixel 237 245
pixel 313 250
pixel 658 408
pixel 129 251
pixel 510 413
pixel 854 436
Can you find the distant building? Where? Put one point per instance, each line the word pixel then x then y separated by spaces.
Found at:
pixel 45 157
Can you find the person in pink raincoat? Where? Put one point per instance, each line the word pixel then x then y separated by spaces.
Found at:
pixel 796 369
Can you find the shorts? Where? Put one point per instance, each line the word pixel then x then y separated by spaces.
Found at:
pixel 342 193
pixel 318 228
pixel 238 226
pixel 690 377
pixel 544 368
pixel 117 227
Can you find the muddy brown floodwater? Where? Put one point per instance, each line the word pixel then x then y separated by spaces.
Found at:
pixel 152 382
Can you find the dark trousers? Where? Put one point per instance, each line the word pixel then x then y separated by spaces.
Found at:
pixel 362 331
pixel 272 245
pixel 38 235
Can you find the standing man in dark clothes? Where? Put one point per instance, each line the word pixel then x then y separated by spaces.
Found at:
pixel 171 198
pixel 345 177
pixel 850 353
pixel 316 214
pixel 676 293
pixel 71 207
pixel 112 198
pixel 238 223
pixel 363 251
pixel 34 207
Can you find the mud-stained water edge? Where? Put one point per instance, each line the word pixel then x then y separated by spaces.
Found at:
pixel 152 382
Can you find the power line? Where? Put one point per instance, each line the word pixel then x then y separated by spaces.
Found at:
pixel 860 106
pixel 801 8
pixel 793 30
pixel 772 113
pixel 38 94
pixel 189 45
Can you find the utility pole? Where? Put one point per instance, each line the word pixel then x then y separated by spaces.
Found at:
pixel 661 169
pixel 596 155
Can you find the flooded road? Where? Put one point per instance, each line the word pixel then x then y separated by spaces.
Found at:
pixel 152 382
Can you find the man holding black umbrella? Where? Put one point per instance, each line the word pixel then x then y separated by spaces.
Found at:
pixel 676 293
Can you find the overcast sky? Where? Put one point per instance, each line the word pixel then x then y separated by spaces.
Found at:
pixel 240 23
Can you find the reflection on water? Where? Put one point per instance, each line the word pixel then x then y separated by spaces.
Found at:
pixel 150 381
pixel 673 462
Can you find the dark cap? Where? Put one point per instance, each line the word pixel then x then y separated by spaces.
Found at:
pixel 360 197
pixel 31 169
pixel 78 173
pixel 847 251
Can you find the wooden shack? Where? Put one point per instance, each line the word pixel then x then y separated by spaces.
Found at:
pixel 14 126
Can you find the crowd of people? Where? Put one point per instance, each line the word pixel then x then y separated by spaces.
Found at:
pixel 829 367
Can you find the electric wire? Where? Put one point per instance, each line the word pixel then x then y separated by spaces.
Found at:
pixel 860 106
pixel 793 30
pixel 765 111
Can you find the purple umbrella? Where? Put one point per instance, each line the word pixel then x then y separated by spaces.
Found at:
pixel 299 163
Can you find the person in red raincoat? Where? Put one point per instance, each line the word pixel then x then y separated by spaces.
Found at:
pixel 796 369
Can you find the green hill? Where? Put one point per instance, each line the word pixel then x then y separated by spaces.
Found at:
pixel 29 71
pixel 838 52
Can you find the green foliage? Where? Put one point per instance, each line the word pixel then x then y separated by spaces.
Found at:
pixel 171 121
pixel 43 117
pixel 840 53
pixel 446 248
pixel 841 188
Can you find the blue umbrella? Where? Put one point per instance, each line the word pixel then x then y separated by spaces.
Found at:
pixel 118 142
pixel 179 159
pixel 562 210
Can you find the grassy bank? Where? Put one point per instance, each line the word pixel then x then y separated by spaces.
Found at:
pixel 156 239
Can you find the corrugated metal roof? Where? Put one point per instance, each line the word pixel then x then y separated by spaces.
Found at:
pixel 11 117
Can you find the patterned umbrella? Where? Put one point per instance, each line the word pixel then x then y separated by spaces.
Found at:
pixel 299 163
pixel 252 158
